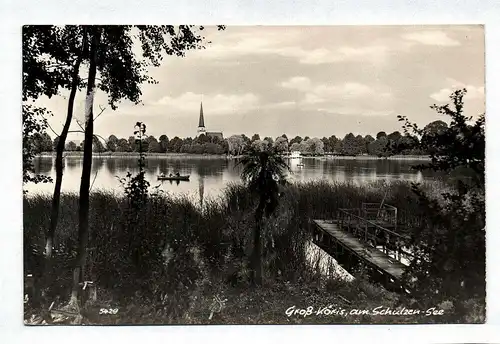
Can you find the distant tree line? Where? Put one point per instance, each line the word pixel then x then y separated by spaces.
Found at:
pixel 382 145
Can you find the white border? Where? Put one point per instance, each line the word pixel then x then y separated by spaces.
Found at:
pixel 275 12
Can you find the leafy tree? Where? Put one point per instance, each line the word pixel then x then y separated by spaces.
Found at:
pixel 55 143
pixel 123 146
pixel 394 142
pixel 261 145
pixel 46 143
pixel 281 144
pixel 71 146
pixel 131 143
pixel 368 139
pixel 236 144
pixel 52 56
pixel 351 145
pixel 175 145
pixel 326 144
pixel 295 147
pixel 97 145
pixel 378 147
pixel 111 143
pixel 263 170
pixel 435 128
pixel 333 141
pixel 153 145
pixel 313 146
pixel 121 75
pixel 360 142
pixel 246 139
pixel 269 139
pixel 461 144
pixel 225 146
pixel 33 123
pixel 36 142
pixel 201 139
pixel 163 143
pixel 255 137
pixel 381 134
pixel 136 187
pixel 450 245
pixel 409 145
pixel 296 139
pixel 430 131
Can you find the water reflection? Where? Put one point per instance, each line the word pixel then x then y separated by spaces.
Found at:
pixel 208 176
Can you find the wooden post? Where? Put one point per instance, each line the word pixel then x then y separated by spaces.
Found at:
pixel 366 231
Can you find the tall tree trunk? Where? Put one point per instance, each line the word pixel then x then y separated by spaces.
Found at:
pixel 256 273
pixel 83 210
pixel 59 152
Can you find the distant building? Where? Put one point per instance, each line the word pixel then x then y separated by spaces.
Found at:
pixel 295 154
pixel 202 129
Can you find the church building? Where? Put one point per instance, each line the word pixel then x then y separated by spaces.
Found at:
pixel 202 129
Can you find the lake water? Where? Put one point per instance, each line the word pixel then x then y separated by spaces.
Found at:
pixel 210 175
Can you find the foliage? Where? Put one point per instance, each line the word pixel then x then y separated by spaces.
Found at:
pixel 312 146
pixel 263 171
pixel 136 187
pixel 461 144
pixel 70 146
pixel 111 143
pixel 236 144
pixel 281 144
pixel 450 264
pixel 48 56
pixel 34 125
pixel 169 278
pixel 352 145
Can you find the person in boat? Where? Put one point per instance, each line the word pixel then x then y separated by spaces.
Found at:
pixel 177 174
pixel 170 175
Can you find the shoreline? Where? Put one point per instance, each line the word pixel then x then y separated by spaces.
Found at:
pixel 224 156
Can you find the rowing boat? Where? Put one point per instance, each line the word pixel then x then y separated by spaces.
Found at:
pixel 163 177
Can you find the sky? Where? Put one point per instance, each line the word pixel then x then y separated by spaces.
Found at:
pixel 301 80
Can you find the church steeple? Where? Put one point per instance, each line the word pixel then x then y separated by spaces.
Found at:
pixel 201 123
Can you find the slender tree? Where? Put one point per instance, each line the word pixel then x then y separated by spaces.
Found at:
pixel 121 76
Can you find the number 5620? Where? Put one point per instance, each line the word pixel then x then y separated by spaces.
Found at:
pixel 108 311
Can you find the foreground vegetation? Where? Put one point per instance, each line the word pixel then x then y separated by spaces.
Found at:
pixel 161 259
pixel 167 263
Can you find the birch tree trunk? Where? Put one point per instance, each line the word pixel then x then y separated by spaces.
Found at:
pixel 83 210
pixel 49 241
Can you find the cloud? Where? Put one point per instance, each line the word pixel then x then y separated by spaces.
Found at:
pixel 438 38
pixel 357 110
pixel 281 105
pixel 343 98
pixel 219 104
pixel 290 44
pixel 473 92
pixel 300 83
pixel 316 93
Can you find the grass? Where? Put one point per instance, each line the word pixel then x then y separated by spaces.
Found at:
pixel 167 262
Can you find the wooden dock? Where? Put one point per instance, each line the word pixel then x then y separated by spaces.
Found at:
pixel 367 254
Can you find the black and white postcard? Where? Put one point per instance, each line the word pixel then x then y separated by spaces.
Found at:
pixel 223 174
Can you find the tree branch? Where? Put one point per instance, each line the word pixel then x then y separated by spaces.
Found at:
pixel 48 125
pixel 100 113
